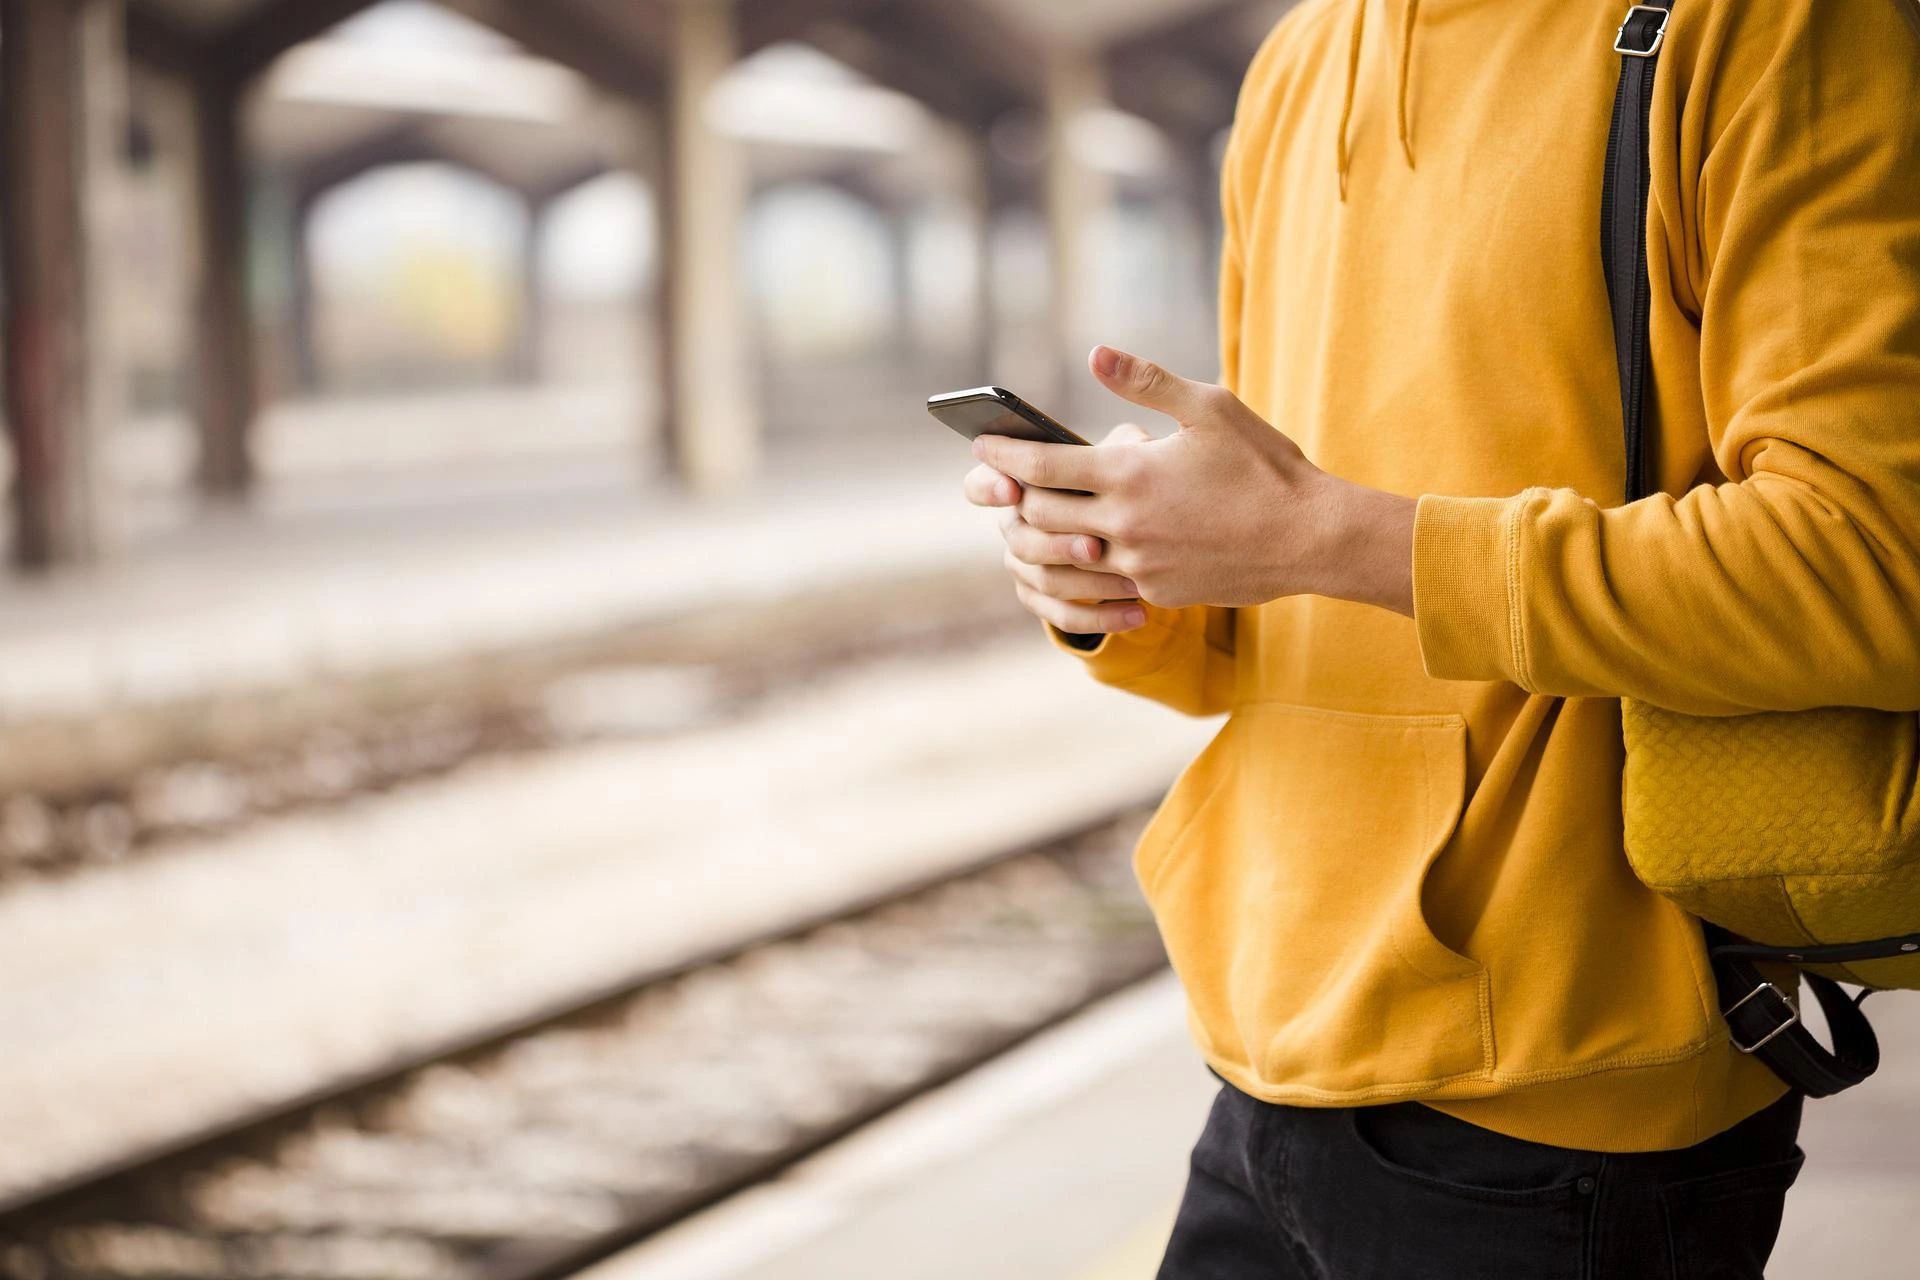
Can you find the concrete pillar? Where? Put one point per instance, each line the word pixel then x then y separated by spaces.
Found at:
pixel 1076 83
pixel 1202 160
pixel 105 93
pixel 303 304
pixel 63 76
pixel 280 287
pixel 226 391
pixel 642 149
pixel 991 192
pixel 660 326
pixel 714 418
pixel 904 298
pixel 529 333
pixel 1204 238
pixel 986 298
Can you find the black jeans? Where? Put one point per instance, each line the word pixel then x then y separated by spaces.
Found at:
pixel 1403 1191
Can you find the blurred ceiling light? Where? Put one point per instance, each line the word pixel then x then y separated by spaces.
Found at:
pixel 791 60
pixel 807 113
pixel 418 24
pixel 1115 142
pixel 1089 24
pixel 494 86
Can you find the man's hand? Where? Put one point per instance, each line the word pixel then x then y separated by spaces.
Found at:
pixel 1227 511
pixel 1049 573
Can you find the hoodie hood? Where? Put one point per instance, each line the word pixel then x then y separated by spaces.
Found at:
pixel 1409 28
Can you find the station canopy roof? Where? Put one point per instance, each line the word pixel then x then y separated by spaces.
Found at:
pixel 483 88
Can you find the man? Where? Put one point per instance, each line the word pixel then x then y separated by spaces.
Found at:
pixel 1458 1037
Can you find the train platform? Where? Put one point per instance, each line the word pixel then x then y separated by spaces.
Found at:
pixel 1064 1160
pixel 352 572
pixel 216 976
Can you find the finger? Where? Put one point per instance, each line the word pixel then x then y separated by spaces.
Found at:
pixel 1128 433
pixel 1146 384
pixel 1082 619
pixel 1038 547
pixel 1058 512
pixel 1065 583
pixel 986 487
pixel 1043 466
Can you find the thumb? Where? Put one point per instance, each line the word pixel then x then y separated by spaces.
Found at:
pixel 1146 384
pixel 1128 433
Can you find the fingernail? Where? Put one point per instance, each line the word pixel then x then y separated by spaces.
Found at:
pixel 1135 617
pixel 1084 550
pixel 1006 492
pixel 1106 361
pixel 980 448
pixel 1129 586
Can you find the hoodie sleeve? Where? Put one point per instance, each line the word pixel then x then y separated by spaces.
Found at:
pixel 1796 582
pixel 1182 658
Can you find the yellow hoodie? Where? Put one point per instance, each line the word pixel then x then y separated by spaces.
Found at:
pixel 1397 872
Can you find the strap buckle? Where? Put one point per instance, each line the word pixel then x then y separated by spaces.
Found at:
pixel 1654 31
pixel 1789 1020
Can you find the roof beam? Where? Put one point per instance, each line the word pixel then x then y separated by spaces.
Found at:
pixel 951 55
pixel 408 143
pixel 160 42
pixel 250 45
pixel 1174 92
pixel 1185 74
pixel 1223 35
pixel 606 52
pixel 636 25
pixel 573 179
pixel 959 32
pixel 765 22
pixel 565 32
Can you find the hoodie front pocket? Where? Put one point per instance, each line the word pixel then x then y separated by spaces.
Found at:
pixel 1289 896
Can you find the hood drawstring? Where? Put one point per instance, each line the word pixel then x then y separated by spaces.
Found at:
pixel 1344 148
pixel 1406 75
pixel 1345 161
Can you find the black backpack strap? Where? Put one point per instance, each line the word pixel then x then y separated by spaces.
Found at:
pixel 1763 1019
pixel 1765 1023
pixel 1764 1013
pixel 1623 222
pixel 1905 946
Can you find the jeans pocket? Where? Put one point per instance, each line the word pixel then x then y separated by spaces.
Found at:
pixel 1723 1226
pixel 1417 1145
pixel 1405 1191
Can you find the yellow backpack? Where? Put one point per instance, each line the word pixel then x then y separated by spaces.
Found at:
pixel 1794 836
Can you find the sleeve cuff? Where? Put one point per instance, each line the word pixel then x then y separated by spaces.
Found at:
pixel 1125 655
pixel 1465 600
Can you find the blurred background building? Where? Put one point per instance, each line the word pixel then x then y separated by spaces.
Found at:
pixel 680 236
pixel 512 748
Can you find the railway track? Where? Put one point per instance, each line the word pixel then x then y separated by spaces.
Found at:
pixel 75 796
pixel 537 1149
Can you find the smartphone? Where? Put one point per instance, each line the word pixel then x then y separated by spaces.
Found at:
pixel 995 411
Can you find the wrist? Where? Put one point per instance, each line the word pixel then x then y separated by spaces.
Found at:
pixel 1367 555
